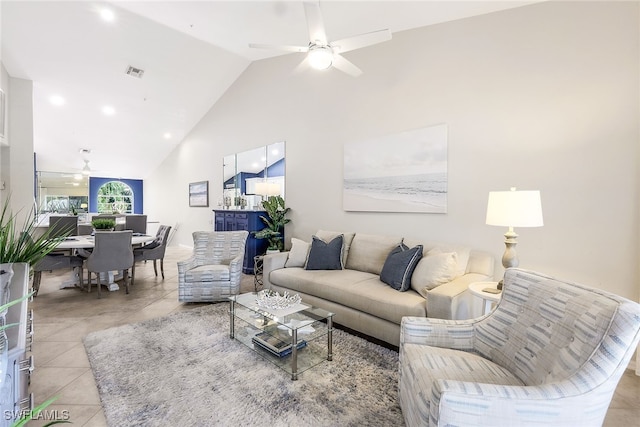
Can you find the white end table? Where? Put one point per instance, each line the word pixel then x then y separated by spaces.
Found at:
pixel 477 289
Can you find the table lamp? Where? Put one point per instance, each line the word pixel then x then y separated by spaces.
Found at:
pixel 273 189
pixel 513 209
pixel 262 188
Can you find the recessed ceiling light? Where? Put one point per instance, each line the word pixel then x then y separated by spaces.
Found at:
pixel 167 135
pixel 108 110
pixel 57 100
pixel 107 15
pixel 77 176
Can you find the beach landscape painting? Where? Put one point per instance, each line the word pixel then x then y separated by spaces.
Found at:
pixel 404 172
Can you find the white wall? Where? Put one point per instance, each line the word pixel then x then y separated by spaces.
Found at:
pixel 4 158
pixel 16 162
pixel 541 97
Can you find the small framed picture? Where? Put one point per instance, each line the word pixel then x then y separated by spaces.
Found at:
pixel 199 194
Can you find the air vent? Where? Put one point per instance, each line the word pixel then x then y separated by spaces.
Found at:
pixel 134 72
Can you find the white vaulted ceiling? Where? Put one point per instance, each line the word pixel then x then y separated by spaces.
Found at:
pixel 190 51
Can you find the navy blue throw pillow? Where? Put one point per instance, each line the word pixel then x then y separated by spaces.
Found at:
pixel 399 266
pixel 325 256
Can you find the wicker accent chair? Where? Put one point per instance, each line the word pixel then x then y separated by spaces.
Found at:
pixel 214 270
pixel 551 353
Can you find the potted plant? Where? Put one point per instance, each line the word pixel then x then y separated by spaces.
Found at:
pixel 21 244
pixel 275 222
pixel 103 224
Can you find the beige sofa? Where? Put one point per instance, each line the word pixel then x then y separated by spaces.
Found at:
pixel 364 303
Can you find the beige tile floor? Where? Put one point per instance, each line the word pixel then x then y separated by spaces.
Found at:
pixel 62 317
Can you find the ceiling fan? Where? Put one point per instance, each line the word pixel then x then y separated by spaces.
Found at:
pixel 322 54
pixel 86 170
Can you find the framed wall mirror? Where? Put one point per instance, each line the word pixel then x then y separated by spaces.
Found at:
pixel 252 175
pixel 61 193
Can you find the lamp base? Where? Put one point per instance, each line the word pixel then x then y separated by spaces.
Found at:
pixel 510 256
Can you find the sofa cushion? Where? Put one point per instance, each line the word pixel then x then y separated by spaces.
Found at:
pixel 356 289
pixel 346 243
pixel 325 255
pixel 399 266
pixel 298 253
pixel 208 273
pixel 463 252
pixel 423 365
pixel 368 252
pixel 435 269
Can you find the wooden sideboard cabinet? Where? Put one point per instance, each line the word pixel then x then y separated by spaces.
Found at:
pixel 232 220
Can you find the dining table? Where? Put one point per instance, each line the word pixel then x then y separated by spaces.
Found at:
pixel 78 243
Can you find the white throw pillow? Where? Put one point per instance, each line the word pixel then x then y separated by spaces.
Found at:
pixel 435 269
pixel 462 257
pixel 298 253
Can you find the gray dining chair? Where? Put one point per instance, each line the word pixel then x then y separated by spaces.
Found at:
pixel 54 261
pixel 85 229
pixel 63 225
pixel 152 251
pixel 136 223
pixel 112 252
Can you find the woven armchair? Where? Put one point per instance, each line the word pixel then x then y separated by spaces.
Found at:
pixel 551 353
pixel 214 270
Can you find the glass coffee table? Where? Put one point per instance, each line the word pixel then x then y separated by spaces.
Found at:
pixel 294 339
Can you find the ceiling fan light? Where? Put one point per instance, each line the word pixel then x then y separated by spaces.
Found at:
pixel 320 57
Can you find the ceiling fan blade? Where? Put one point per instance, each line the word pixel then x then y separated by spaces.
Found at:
pixel 302 66
pixel 346 66
pixel 362 40
pixel 317 34
pixel 276 47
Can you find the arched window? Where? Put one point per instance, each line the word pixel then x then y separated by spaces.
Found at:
pixel 115 197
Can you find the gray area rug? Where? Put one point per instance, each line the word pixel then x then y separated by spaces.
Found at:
pixel 184 370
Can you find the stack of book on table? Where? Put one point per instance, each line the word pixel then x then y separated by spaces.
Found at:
pixel 275 345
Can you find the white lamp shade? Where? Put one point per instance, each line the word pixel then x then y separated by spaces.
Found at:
pixel 267 188
pixel 262 188
pixel 514 208
pixel 273 189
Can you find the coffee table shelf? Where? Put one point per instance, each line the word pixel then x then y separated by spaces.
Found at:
pixel 247 319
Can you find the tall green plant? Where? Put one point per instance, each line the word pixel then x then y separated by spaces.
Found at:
pixel 274 221
pixel 20 244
